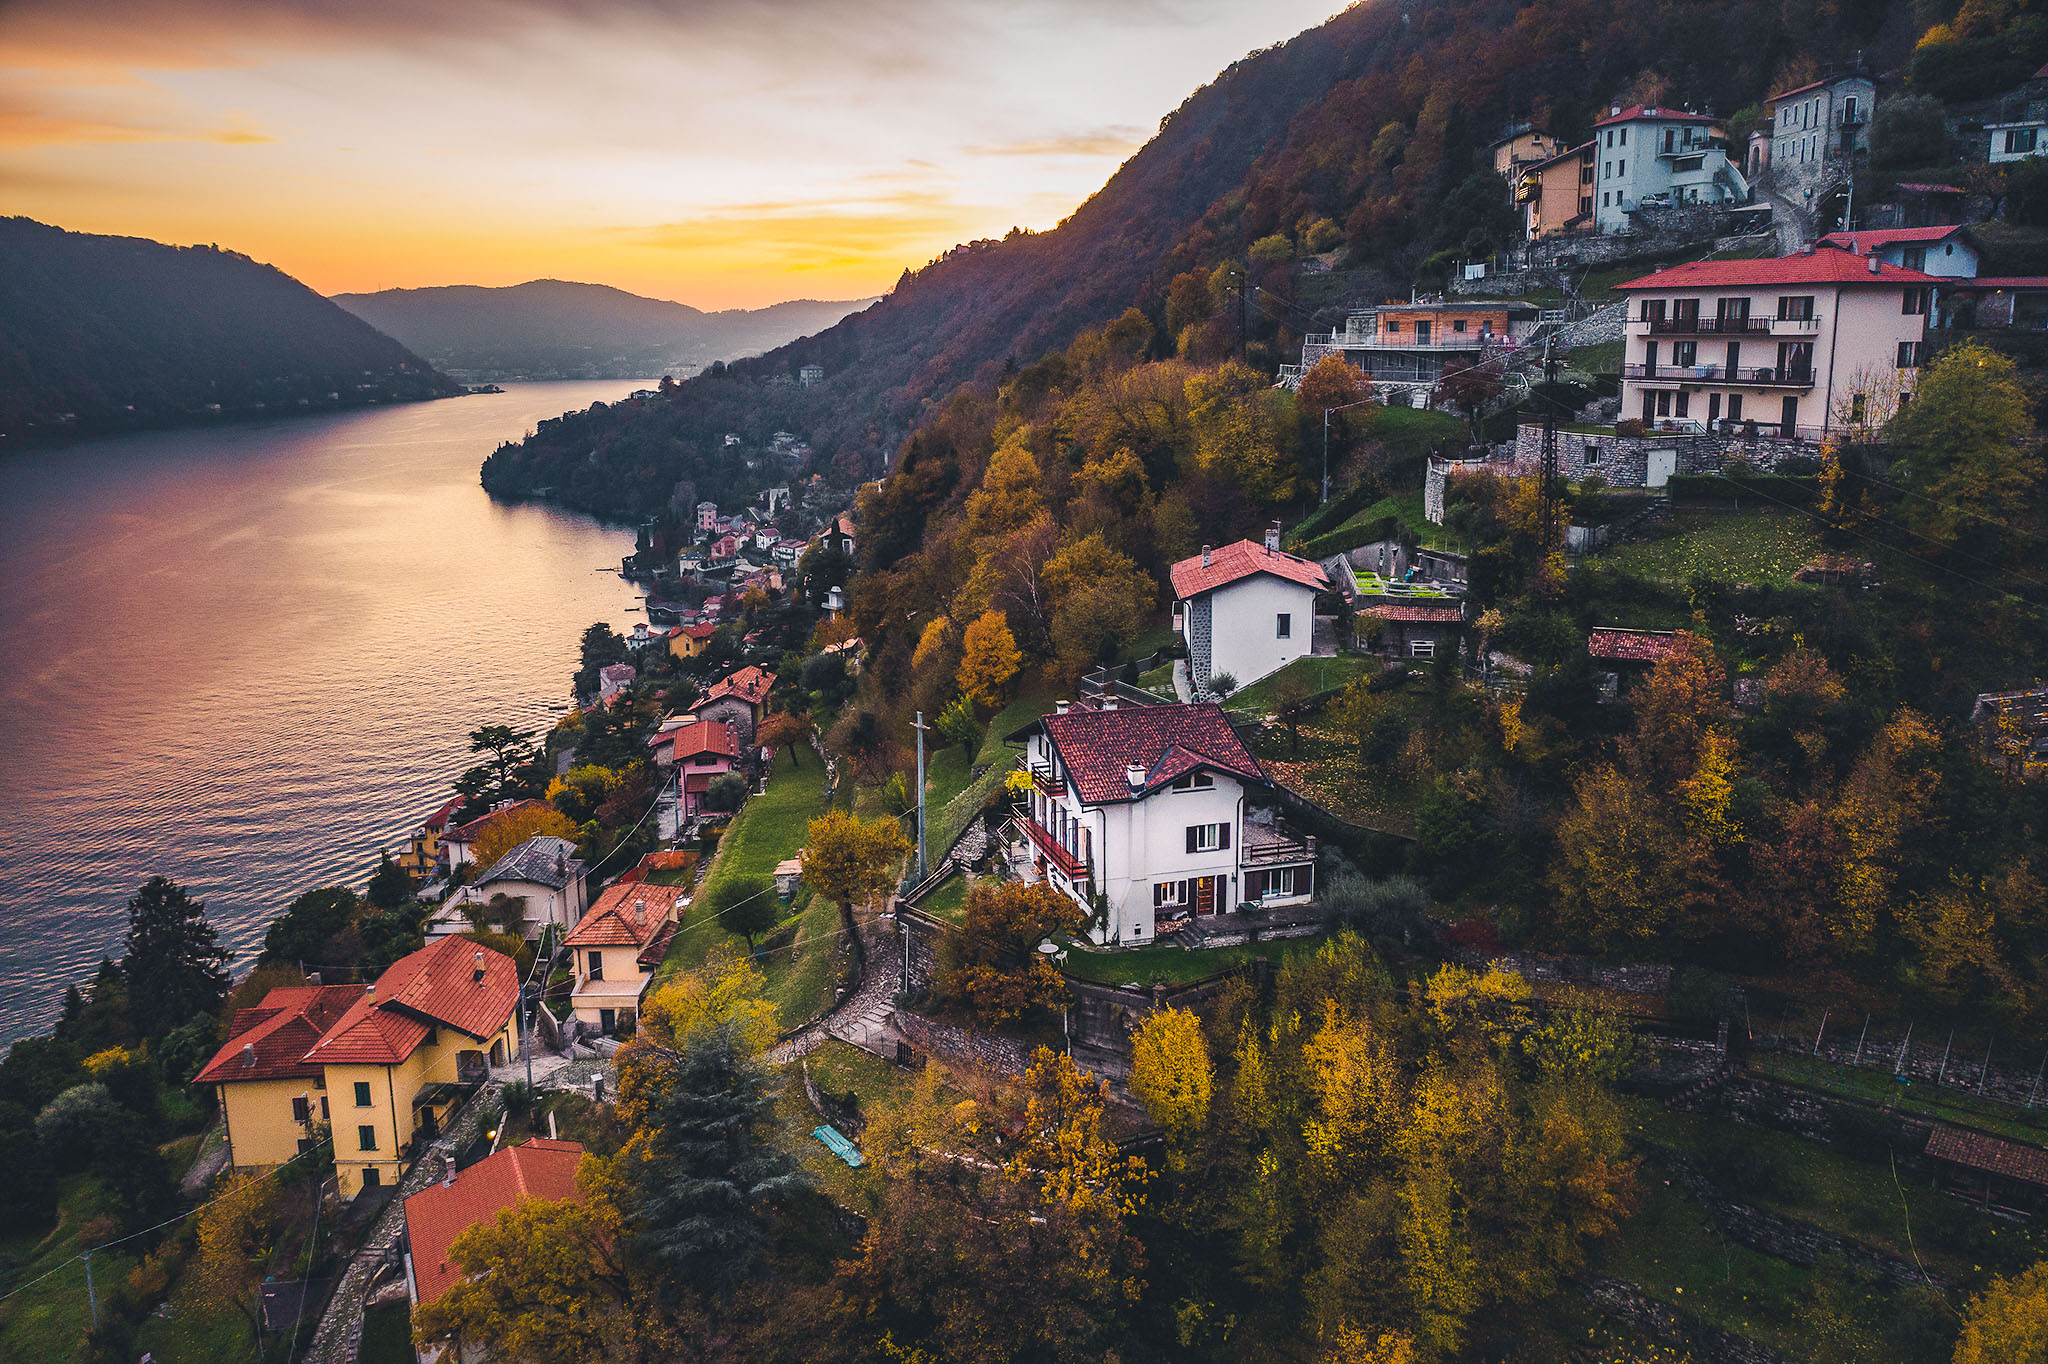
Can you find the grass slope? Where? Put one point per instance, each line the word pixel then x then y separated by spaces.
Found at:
pixel 1767 545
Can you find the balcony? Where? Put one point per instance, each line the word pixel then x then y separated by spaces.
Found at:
pixel 1270 847
pixel 1041 774
pixel 1703 326
pixel 1795 326
pixel 1744 376
pixel 1075 866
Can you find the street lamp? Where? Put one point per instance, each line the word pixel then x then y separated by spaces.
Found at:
pixel 1057 956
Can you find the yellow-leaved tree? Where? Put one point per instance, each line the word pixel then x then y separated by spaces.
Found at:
pixel 1172 1077
pixel 851 861
pixel 1100 600
pixel 989 659
pixel 1354 1082
pixel 1008 498
pixel 726 989
pixel 237 1232
pixel 507 829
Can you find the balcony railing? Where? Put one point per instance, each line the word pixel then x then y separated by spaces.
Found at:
pixel 1277 850
pixel 1075 865
pixel 1743 376
pixel 1705 326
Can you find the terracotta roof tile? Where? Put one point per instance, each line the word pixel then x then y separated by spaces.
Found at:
pixel 1192 577
pixel 1422 615
pixel 1993 1155
pixel 1862 242
pixel 281 1030
pixel 1097 746
pixel 1632 646
pixel 699 736
pixel 750 684
pixel 439 1213
pixel 1825 265
pixel 1656 111
pixel 630 915
pixel 435 986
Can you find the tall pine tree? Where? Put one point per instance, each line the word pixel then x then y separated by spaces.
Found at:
pixel 175 966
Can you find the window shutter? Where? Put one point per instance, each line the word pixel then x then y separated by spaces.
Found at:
pixel 1191 838
pixel 1223 837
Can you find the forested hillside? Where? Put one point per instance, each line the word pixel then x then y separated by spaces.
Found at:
pixel 116 333
pixel 553 329
pixel 1360 137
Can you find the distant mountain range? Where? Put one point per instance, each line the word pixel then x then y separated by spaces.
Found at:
pixel 119 333
pixel 553 329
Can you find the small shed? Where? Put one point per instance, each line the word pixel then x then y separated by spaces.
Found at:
pixel 1988 1169
pixel 1628 655
pixel 1417 631
pixel 789 874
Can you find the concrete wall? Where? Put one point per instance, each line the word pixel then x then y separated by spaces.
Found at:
pixel 1244 637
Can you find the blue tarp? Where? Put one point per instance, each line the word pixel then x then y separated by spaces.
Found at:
pixel 839 1146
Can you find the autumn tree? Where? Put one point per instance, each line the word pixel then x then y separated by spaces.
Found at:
pixel 1469 388
pixel 745 905
pixel 507 829
pixel 724 992
pixel 1099 601
pixel 2007 1321
pixel 238 1229
pixel 1001 973
pixel 784 730
pixel 1171 1075
pixel 989 659
pixel 1244 431
pixel 1961 448
pixel 1008 498
pixel 851 861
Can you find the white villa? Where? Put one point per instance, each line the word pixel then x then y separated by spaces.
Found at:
pixel 1647 157
pixel 1143 816
pixel 543 875
pixel 1245 609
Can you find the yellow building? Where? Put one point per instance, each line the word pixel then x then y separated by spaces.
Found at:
pixel 691 640
pixel 616 948
pixel 382 1066
pixel 423 849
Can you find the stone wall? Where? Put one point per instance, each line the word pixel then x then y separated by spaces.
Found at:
pixel 1624 460
pixel 1626 1302
pixel 1000 1054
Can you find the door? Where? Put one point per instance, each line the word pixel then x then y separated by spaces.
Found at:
pixel 607 1021
pixel 1205 895
pixel 1662 465
pixel 1422 330
pixel 1713 408
pixel 1789 418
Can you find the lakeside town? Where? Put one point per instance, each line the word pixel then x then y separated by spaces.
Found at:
pixel 1504 827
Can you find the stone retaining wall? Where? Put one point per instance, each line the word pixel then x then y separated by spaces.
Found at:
pixel 1623 461
pixel 1625 1302
pixel 949 1043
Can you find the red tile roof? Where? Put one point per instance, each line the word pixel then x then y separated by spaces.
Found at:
pixel 1656 111
pixel 1961 1146
pixel 438 820
pixel 281 1030
pixel 435 986
pixel 1168 742
pixel 1632 646
pixel 1825 265
pixel 1425 615
pixel 439 1213
pixel 466 833
pixel 2002 282
pixel 1932 189
pixel 700 736
pixel 1862 243
pixel 1192 577
pixel 631 915
pixel 750 684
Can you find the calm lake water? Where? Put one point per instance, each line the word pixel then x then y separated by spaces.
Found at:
pixel 249 658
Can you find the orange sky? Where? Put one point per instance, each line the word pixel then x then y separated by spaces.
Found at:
pixel 726 155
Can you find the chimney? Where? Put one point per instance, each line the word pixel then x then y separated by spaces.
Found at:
pixel 1614 111
pixel 312 978
pixel 1273 538
pixel 478 973
pixel 1208 557
pixel 1108 703
pixel 249 1056
pixel 1875 267
pixel 1135 775
pixel 1059 708
pixel 370 992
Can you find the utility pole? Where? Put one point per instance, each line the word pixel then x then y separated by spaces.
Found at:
pixel 1244 311
pixel 91 1296
pixel 1546 496
pixel 920 799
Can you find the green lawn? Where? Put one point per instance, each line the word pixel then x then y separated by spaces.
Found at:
pixel 1411 431
pixel 1159 681
pixel 949 902
pixel 48 1320
pixel 770 828
pixel 387 1336
pixel 1767 545
pixel 1321 675
pixel 944 824
pixel 1157 965
pixel 1931 1101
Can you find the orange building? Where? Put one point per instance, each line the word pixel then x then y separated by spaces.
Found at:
pixel 1556 195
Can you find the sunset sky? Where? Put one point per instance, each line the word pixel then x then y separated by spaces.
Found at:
pixel 726 155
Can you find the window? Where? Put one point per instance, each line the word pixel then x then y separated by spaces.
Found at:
pixel 306 1144
pixel 324 1113
pixel 1607 171
pixel 1610 137
pixel 1795 308
pixel 1393 325
pixel 1732 311
pixel 1279 881
pixel 1914 303
pixel 366 1138
pixel 1624 137
pixel 362 1094
pixel 2020 141
pixel 1684 402
pixel 1621 167
pixel 1653 310
pixel 1909 355
pixel 596 965
pixel 373 1178
pixel 1859 407
pixel 1208 838
pixel 1592 455
pixel 1283 626
pixel 1915 258
pixel 1670 139
pixel 302 1110
pixel 1735 407
pixel 1194 781
pixel 1685 353
pixel 1169 894
pixel 1422 648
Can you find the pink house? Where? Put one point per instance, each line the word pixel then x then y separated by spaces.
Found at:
pixel 700 751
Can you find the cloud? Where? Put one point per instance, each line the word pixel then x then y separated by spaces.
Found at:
pixel 1117 140
pixel 21 126
pixel 813 233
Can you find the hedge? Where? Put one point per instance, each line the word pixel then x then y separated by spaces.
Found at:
pixel 1799 492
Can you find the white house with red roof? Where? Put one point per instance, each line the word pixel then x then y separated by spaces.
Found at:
pixel 381 1065
pixel 1143 815
pixel 1794 345
pixel 435 1216
pixel 1647 156
pixel 1944 252
pixel 737 699
pixel 616 948
pixel 1246 609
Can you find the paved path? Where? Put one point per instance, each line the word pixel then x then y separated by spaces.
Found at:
pixel 863 1016
pixel 341 1328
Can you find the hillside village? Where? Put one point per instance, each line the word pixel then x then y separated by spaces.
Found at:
pixel 1502 824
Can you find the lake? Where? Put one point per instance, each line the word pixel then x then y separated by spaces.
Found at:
pixel 248 658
